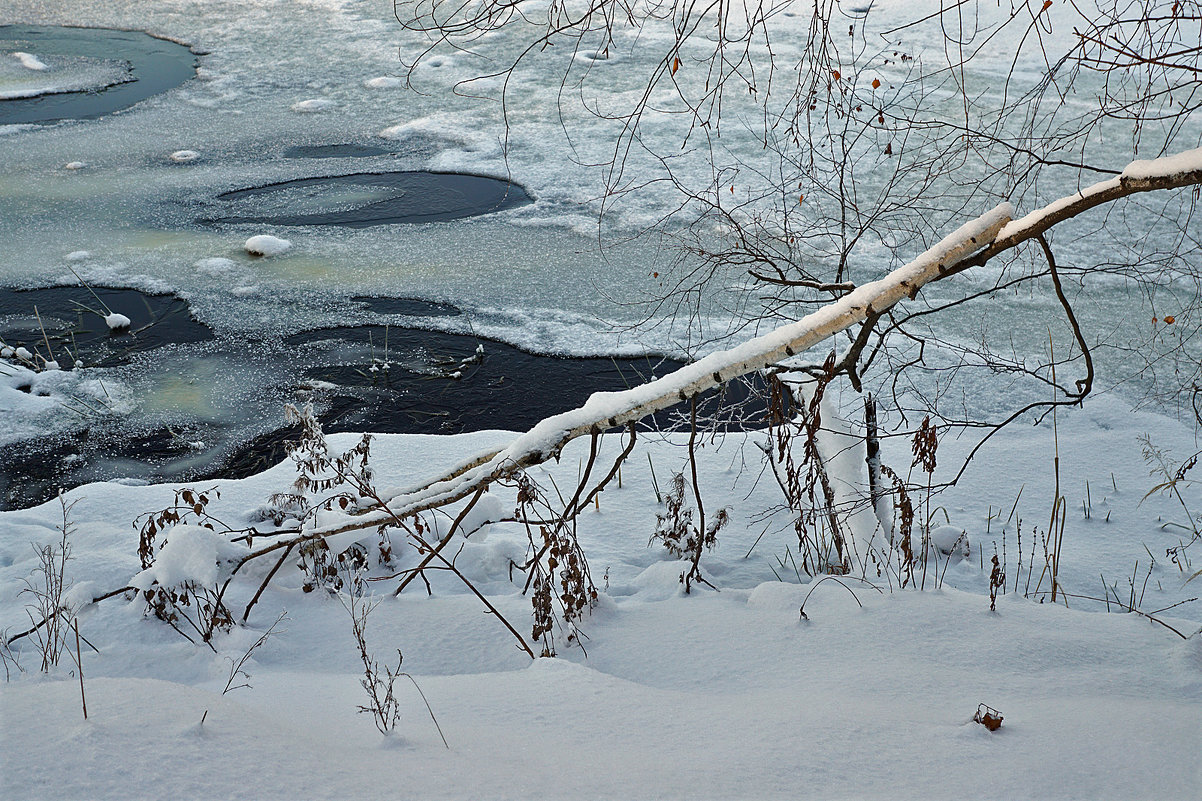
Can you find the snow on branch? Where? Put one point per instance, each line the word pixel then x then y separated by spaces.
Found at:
pixel 971 245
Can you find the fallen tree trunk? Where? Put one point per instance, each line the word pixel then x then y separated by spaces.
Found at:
pixel 972 244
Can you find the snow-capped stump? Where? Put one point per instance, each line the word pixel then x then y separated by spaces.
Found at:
pixel 312 106
pixel 116 322
pixel 78 255
pixel 266 245
pixel 184 156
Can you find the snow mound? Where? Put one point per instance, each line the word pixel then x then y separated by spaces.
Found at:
pixel 190 554
pixel 950 541
pixel 116 322
pixel 184 156
pixel 266 245
pixel 312 106
pixel 74 165
pixel 383 82
pixel 30 62
pixel 78 255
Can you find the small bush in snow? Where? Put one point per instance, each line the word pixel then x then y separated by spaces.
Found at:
pixel 185 554
pixel 47 587
pixel 676 531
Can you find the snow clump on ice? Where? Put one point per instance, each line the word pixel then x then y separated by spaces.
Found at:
pixel 184 156
pixel 116 322
pixel 30 62
pixel 383 82
pixel 311 106
pixel 266 245
pixel 78 255
pixel 74 165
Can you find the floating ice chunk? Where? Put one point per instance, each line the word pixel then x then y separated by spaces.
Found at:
pixel 78 255
pixel 116 322
pixel 74 165
pixel 383 82
pixel 216 265
pixel 184 156
pixel 30 62
pixel 266 245
pixel 311 106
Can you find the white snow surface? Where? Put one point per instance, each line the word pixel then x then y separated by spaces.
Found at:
pixel 716 694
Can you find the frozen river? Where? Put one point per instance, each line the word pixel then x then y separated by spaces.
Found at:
pixel 154 197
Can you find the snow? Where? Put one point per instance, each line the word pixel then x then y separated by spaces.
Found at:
pixel 383 82
pixel 266 245
pixel 189 554
pixel 723 693
pixel 30 61
pixel 116 322
pixel 314 105
pixel 184 156
pixel 1176 164
pixel 78 255
pixel 870 696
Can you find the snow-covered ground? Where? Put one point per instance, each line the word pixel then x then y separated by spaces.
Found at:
pixel 725 692
pixel 721 693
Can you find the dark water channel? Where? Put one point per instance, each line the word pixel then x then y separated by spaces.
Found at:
pixel 378 378
pixel 153 65
pixel 362 200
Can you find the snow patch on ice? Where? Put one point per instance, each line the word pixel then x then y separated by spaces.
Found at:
pixel 266 245
pixel 311 106
pixel 184 156
pixel 75 165
pixel 383 82
pixel 216 265
pixel 30 62
pixel 78 255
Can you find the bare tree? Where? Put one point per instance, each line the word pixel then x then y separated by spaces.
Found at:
pixel 811 146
